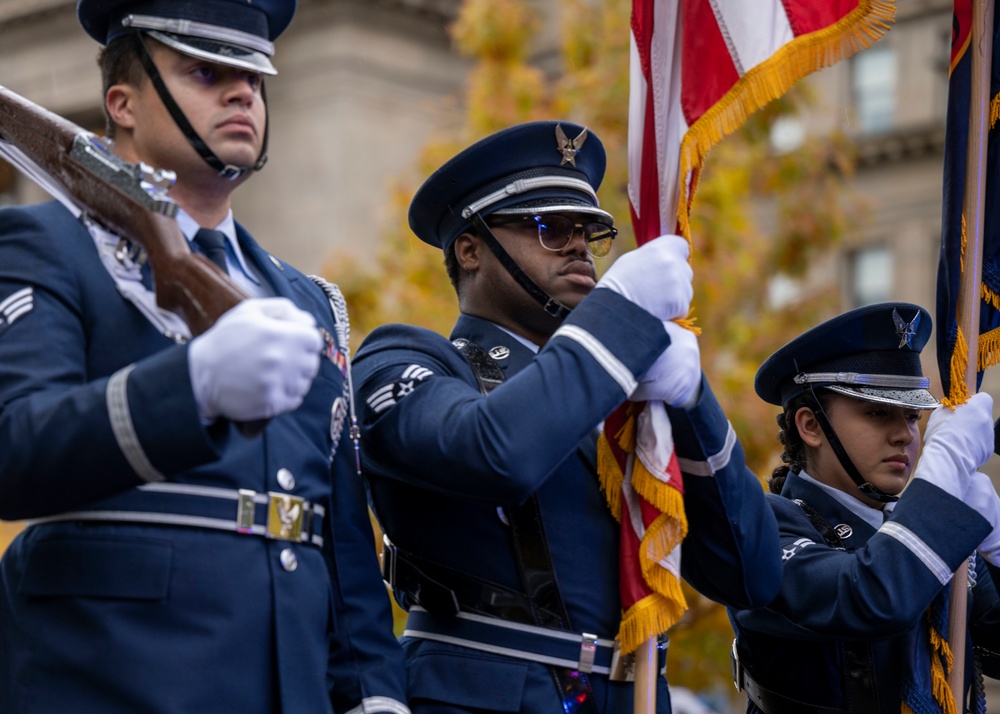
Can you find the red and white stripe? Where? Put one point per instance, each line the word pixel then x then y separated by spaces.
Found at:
pixel 687 55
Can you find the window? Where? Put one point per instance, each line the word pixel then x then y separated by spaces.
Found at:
pixel 870 275
pixel 874 84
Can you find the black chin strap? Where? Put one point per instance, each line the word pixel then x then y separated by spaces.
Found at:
pixel 552 307
pixel 845 460
pixel 227 171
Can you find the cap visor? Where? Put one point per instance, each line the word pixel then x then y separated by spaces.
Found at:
pixel 906 398
pixel 563 207
pixel 217 52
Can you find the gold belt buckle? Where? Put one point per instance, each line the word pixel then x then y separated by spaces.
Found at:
pixel 284 516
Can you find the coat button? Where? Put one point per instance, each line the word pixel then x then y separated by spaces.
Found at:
pixel 289 561
pixel 285 479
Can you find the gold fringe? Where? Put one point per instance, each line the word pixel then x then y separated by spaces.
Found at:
pixel 663 498
pixel 688 323
pixel 610 476
pixel 989 296
pixel 650 616
pixel 769 80
pixel 626 435
pixel 994 111
pixel 939 677
pixel 959 392
pixel 905 709
pixel 989 349
pixel 663 535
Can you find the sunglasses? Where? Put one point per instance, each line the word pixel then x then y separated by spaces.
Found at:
pixel 555 232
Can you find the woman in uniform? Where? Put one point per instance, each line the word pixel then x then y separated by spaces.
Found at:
pixel 860 622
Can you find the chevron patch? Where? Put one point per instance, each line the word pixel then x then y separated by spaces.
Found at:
pixel 385 397
pixel 789 553
pixel 16 306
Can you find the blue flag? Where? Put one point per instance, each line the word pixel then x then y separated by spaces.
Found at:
pixel 987 352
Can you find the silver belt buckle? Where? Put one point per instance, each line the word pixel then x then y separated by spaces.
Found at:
pixel 246 504
pixel 622 665
pixel 284 516
pixel 588 652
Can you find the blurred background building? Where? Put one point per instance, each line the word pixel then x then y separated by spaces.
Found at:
pixel 364 83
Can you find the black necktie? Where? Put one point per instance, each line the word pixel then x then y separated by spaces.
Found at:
pixel 213 245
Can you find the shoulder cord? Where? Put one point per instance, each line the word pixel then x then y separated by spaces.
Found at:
pixel 342 326
pixel 857 667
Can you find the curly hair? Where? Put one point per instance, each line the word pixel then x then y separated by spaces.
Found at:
pixel 793 456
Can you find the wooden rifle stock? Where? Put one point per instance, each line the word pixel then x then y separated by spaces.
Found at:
pixel 129 200
pixel 126 199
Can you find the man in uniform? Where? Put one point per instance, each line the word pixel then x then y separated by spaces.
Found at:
pixel 502 546
pixel 171 563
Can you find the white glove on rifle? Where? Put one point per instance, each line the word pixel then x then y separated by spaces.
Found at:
pixel 257 361
pixel 983 497
pixel 656 277
pixel 675 376
pixel 956 444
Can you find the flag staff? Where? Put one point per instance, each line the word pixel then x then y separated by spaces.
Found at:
pixel 645 678
pixel 967 309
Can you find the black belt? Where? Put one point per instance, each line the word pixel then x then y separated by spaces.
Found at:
pixel 769 701
pixel 422 583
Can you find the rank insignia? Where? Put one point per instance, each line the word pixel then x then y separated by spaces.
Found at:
pixel 15 306
pixel 569 148
pixel 385 397
pixel 789 553
pixel 500 352
pixel 906 330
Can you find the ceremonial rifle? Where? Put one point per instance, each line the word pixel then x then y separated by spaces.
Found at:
pixel 130 200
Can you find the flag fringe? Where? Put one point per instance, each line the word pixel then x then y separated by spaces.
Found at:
pixel 939 677
pixel 650 616
pixel 856 31
pixel 959 392
pixel 610 476
pixel 994 111
pixel 651 488
pixel 989 349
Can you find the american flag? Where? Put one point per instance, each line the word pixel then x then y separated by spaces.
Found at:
pixel 699 69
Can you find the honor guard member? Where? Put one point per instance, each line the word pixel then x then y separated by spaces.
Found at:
pixel 169 563
pixel 868 565
pixel 502 547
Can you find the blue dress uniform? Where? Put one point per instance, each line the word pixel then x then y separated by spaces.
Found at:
pixel 860 584
pixel 447 466
pixel 103 609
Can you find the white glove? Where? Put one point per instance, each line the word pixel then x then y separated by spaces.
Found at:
pixel 656 277
pixel 675 376
pixel 257 361
pixel 983 497
pixel 956 444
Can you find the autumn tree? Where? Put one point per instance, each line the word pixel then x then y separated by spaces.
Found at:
pixel 758 216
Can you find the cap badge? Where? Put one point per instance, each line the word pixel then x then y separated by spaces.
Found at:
pixel 905 330
pixel 569 148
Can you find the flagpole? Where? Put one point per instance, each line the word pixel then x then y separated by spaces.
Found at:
pixel 645 678
pixel 981 49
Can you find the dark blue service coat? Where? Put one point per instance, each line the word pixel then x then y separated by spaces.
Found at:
pixel 875 590
pixel 106 617
pixel 440 458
